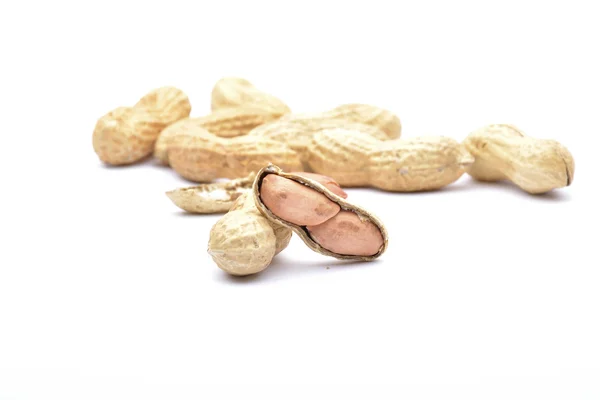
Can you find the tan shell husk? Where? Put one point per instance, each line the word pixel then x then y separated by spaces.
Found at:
pixel 126 135
pixel 535 165
pixel 301 231
pixel 211 198
pixel 244 241
pixel 298 135
pixel 231 92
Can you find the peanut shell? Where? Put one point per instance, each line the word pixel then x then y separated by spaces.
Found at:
pixel 243 241
pixel 232 92
pixel 211 198
pixel 535 165
pixel 301 230
pixel 127 134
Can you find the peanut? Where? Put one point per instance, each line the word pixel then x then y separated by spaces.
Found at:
pixel 296 203
pixel 298 134
pixel 227 122
pixel 231 92
pixel 379 118
pixel 403 165
pixel 127 134
pixel 299 206
pixel 203 157
pixel 346 233
pixel 504 152
pixel 243 241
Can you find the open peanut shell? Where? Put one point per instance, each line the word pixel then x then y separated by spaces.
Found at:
pixel 301 231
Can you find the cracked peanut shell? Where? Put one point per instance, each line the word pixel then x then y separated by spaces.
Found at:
pixel 302 231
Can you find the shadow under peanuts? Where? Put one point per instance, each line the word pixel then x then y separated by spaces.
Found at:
pixel 282 267
pixel 185 214
pixel 556 195
pixel 144 162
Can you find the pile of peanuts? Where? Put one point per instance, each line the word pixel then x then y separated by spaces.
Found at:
pixel 286 170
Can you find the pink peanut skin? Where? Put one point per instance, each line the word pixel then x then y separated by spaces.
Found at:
pixel 296 203
pixel 346 234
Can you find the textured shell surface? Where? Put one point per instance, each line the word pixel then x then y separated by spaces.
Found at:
pixel 419 164
pixel 125 135
pixel 535 165
pixel 232 122
pixel 174 132
pixel 343 155
pixel 302 231
pixel 167 104
pixel 244 241
pixel 242 244
pixel 283 234
pixel 298 135
pixel 231 92
pixel 482 169
pixel 203 156
pixel 381 118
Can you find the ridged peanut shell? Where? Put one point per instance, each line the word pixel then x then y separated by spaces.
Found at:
pixel 232 122
pixel 232 92
pixel 535 165
pixel 382 119
pixel 227 123
pixel 482 169
pixel 203 157
pixel 282 233
pixel 243 241
pixel 128 134
pixel 343 155
pixel 418 164
pixel 167 104
pixel 242 244
pixel 125 135
pixel 173 132
pixel 299 134
pixel 301 231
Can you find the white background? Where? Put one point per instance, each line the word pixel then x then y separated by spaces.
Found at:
pixel 106 289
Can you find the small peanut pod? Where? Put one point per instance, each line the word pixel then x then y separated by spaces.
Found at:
pixel 212 198
pixel 203 157
pixel 382 119
pixel 244 241
pixel 402 165
pixel 504 152
pixel 127 134
pixel 232 92
pixel 359 236
pixel 227 123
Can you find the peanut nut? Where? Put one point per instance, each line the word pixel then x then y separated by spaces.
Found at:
pixel 296 203
pixel 346 233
